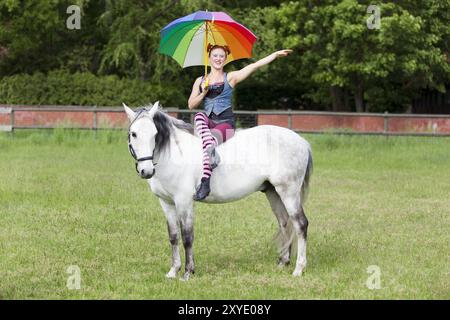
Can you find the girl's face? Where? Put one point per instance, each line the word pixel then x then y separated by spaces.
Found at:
pixel 217 58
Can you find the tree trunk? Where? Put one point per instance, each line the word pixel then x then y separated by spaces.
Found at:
pixel 359 98
pixel 337 99
pixel 347 99
pixel 409 108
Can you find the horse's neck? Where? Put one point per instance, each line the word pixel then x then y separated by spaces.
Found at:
pixel 182 144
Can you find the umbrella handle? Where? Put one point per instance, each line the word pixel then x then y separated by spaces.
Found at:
pixel 206 55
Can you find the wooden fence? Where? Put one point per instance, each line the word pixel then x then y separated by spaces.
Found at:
pixel 44 117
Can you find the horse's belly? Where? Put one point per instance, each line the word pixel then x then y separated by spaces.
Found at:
pixel 230 184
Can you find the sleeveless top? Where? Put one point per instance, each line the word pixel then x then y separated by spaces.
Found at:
pixel 217 102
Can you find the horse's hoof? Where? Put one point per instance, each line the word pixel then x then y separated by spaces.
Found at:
pixel 298 272
pixel 185 277
pixel 283 263
pixel 171 274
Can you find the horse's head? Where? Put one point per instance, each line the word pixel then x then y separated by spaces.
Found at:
pixel 142 135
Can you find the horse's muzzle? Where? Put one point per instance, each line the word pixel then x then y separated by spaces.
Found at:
pixel 146 175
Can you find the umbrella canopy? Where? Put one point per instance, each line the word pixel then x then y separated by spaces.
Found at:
pixel 186 39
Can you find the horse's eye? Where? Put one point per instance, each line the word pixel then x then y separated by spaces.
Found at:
pixel 133 134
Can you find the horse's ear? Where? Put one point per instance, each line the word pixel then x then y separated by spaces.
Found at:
pixel 130 113
pixel 154 109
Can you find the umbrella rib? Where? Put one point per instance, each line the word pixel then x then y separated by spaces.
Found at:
pixel 218 29
pixel 188 25
pixel 193 35
pixel 212 34
pixel 177 43
pixel 222 30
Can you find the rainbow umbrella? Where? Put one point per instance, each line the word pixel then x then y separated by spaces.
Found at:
pixel 186 39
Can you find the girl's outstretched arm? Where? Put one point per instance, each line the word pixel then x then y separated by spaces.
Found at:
pixel 235 77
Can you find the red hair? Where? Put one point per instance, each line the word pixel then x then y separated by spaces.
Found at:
pixel 211 47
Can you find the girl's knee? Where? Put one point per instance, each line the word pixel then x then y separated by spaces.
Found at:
pixel 229 133
pixel 200 116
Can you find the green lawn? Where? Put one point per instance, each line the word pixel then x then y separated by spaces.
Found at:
pixel 69 198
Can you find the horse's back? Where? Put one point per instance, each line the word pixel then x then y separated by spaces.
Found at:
pixel 267 140
pixel 272 130
pixel 256 156
pixel 288 152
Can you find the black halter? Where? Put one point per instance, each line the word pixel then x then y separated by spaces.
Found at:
pixel 131 149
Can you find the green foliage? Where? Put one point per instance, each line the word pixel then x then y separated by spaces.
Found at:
pixel 253 96
pixel 338 62
pixel 381 70
pixel 34 36
pixel 132 50
pixel 63 88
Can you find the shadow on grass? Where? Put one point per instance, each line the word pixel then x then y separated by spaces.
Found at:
pixel 329 254
pixel 254 257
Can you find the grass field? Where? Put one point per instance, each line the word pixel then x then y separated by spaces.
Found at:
pixel 69 198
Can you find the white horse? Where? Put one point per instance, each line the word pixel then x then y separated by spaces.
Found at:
pixel 271 159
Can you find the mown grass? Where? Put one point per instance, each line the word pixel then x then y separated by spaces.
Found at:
pixel 70 197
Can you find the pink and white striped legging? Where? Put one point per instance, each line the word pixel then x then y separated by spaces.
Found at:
pixel 204 126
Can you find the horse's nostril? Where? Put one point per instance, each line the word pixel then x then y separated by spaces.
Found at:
pixel 145 174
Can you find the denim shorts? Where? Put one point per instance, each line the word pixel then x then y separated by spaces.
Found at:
pixel 226 116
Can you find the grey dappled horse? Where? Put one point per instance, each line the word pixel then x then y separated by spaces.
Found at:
pixel 271 159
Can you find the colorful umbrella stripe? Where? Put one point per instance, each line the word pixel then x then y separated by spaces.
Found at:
pixel 186 38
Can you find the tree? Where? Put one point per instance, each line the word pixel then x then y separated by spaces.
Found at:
pixel 338 62
pixel 341 54
pixel 34 36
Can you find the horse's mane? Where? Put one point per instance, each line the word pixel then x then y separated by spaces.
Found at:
pixel 165 125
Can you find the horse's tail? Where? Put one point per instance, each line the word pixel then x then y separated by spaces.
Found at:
pixel 308 173
pixel 286 241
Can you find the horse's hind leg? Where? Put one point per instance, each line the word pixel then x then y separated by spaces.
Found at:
pixel 172 227
pixel 284 236
pixel 290 195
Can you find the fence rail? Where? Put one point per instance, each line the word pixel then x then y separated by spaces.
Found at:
pixel 97 118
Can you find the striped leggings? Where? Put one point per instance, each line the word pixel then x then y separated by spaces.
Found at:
pixel 204 126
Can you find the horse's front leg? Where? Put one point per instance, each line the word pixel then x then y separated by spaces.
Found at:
pixel 187 232
pixel 172 226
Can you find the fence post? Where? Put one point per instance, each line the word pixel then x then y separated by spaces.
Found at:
pixel 8 112
pixel 94 124
pixel 290 118
pixel 11 119
pixel 386 122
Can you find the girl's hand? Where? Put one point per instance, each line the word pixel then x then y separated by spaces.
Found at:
pixel 282 53
pixel 205 85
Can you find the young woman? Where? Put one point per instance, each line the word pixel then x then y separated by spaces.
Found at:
pixel 217 123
